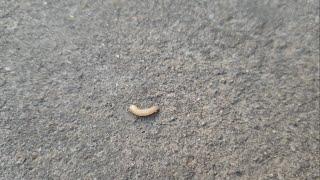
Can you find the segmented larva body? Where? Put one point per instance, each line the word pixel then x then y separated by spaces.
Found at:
pixel 143 112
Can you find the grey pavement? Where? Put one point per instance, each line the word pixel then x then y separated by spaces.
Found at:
pixel 237 83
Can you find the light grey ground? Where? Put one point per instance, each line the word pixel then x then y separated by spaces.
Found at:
pixel 237 83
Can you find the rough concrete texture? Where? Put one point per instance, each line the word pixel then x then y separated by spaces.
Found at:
pixel 237 83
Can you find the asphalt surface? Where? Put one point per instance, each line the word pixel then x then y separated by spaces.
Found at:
pixel 237 83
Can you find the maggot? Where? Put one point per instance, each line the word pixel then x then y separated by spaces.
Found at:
pixel 143 112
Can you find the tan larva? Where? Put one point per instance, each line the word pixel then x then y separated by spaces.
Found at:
pixel 143 112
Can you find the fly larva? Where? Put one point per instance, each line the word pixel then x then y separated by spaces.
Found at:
pixel 143 112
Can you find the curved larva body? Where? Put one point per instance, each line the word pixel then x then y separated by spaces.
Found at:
pixel 143 112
